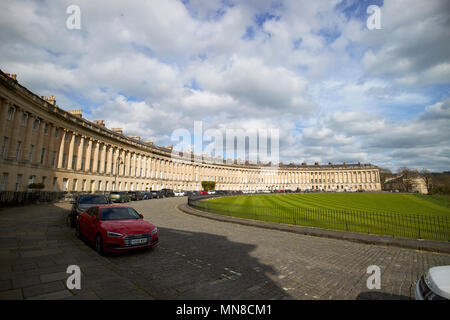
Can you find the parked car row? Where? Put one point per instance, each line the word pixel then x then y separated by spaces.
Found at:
pixel 127 196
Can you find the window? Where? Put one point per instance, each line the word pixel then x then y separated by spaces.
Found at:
pixel 54 184
pixel 31 180
pixel 56 132
pixel 64 160
pixel 30 154
pixel 36 124
pixel 44 179
pixel 83 160
pixel 4 144
pixel 18 182
pixel 19 143
pixel 64 184
pixel 66 137
pixel 42 155
pixel 74 161
pixel 46 128
pixel 11 111
pixel 53 158
pixel 23 120
pixel 119 214
pixel 3 181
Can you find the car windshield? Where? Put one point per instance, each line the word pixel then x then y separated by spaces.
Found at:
pixel 94 199
pixel 119 214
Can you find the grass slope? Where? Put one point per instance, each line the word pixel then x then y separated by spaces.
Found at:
pixel 401 215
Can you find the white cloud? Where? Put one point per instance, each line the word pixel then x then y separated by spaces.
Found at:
pixel 336 90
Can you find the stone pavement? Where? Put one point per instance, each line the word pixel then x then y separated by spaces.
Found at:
pixel 197 258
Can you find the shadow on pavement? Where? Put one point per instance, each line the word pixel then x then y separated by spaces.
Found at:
pixel 198 265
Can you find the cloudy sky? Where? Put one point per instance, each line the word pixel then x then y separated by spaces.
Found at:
pixel 335 89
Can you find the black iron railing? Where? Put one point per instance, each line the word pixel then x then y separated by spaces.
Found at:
pixel 381 223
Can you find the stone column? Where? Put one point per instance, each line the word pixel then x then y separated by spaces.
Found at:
pixel 116 162
pixel 80 154
pixel 40 144
pixel 128 162
pixel 96 157
pixel 102 168
pixel 26 136
pixel 14 135
pixel 153 167
pixel 71 150
pixel 145 167
pixel 4 106
pixel 138 165
pixel 109 160
pixel 87 163
pixel 51 144
pixel 61 150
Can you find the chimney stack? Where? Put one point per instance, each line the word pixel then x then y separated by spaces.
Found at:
pixel 99 122
pixel 117 130
pixel 12 76
pixel 75 112
pixel 50 99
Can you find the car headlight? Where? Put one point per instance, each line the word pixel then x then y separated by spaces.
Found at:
pixel 113 234
pixel 155 230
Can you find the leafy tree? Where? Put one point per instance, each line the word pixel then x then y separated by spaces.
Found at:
pixel 208 185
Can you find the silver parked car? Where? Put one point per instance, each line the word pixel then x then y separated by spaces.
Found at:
pixel 434 284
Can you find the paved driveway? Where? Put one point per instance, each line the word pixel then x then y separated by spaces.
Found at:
pixel 197 259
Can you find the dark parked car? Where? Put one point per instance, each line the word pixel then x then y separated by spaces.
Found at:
pixel 84 202
pixel 136 195
pixel 157 194
pixel 147 195
pixel 168 193
pixel 118 196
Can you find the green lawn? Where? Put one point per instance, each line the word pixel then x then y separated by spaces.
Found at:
pixel 399 215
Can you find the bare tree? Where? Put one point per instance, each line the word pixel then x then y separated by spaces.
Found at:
pixel 427 178
pixel 384 175
pixel 406 175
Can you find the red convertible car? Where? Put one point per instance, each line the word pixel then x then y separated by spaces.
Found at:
pixel 116 228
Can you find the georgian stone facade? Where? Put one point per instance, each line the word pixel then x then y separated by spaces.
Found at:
pixel 42 143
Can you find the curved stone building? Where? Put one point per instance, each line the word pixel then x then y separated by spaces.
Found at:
pixel 40 142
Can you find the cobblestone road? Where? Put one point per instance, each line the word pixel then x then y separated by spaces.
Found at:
pixel 197 259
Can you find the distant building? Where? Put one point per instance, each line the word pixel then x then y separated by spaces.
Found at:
pixel 41 142
pixel 411 184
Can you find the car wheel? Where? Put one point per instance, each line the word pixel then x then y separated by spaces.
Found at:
pixel 77 231
pixel 99 244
